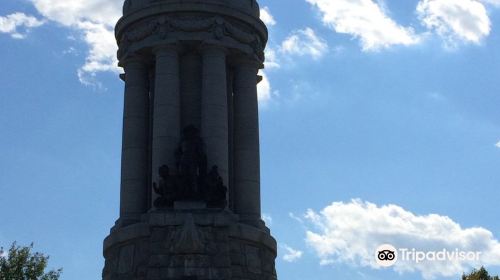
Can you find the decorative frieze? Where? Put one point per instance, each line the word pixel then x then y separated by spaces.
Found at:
pixel 166 27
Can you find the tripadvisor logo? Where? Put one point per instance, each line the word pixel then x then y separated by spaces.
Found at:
pixel 387 255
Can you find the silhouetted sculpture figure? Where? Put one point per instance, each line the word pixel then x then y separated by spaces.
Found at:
pixel 215 190
pixel 192 182
pixel 166 189
pixel 191 163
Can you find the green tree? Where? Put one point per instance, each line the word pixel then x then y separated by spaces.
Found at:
pixel 480 274
pixel 20 263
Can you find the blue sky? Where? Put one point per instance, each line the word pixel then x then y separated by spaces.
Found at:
pixel 379 124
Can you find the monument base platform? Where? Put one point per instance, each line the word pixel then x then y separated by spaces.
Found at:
pixel 190 245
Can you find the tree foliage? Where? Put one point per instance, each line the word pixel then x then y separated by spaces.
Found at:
pixel 480 274
pixel 20 263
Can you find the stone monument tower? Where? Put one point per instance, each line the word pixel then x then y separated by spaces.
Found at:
pixel 190 179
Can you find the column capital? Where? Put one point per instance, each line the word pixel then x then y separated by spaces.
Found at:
pixel 246 63
pixel 207 48
pixel 166 49
pixel 135 60
pixel 136 70
pixel 246 71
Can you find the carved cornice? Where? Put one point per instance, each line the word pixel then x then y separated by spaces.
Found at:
pixel 250 7
pixel 162 27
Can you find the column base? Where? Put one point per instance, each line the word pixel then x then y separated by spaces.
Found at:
pixel 195 244
pixel 254 221
pixel 127 220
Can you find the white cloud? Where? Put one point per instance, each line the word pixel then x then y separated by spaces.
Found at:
pixel 12 23
pixel 304 42
pixel 455 20
pixel 267 219
pixel 95 19
pixel 291 254
pixel 102 51
pixel 366 20
pixel 272 61
pixel 264 89
pixel 498 144
pixel 71 13
pixel 267 17
pixel 350 233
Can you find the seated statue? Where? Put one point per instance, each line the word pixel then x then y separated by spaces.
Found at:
pixel 215 191
pixel 191 181
pixel 165 189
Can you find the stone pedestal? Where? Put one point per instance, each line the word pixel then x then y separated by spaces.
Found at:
pixel 197 244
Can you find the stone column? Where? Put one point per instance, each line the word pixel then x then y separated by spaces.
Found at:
pixel 134 172
pixel 191 90
pixel 166 112
pixel 246 143
pixel 214 126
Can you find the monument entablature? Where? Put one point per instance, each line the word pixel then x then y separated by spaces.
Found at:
pixel 186 32
pixel 167 22
pixel 245 7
